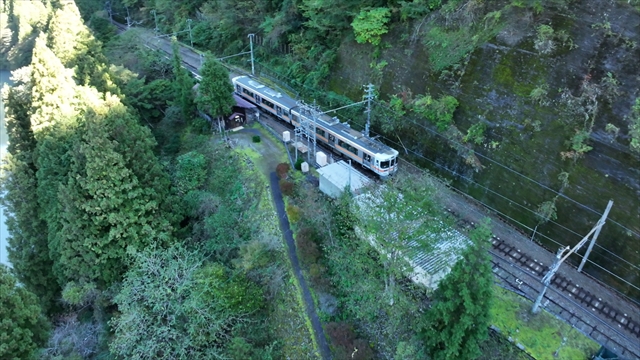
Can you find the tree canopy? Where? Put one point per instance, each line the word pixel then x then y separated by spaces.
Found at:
pixel 172 306
pixel 459 318
pixel 23 328
pixel 215 90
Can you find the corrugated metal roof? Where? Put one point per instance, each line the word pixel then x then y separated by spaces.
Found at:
pixel 447 247
pixel 341 175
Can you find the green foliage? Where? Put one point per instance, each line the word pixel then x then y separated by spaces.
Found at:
pixel 191 171
pixel 440 112
pixel 171 307
pixel 475 133
pixel 544 42
pixel 371 24
pixel 547 211
pixel 256 138
pixel 459 317
pixel 215 90
pixel 183 85
pixel 578 142
pixel 54 98
pixel 417 9
pixel 79 294
pixel 23 328
pixel 541 335
pixel 27 240
pixel 399 218
pixel 298 164
pixel 449 47
pixel 539 94
pixel 111 200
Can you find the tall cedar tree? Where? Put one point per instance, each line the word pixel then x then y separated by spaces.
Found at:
pixel 74 44
pixel 53 94
pixel 459 318
pixel 23 328
pixel 215 93
pixel 183 85
pixel 111 203
pixel 28 244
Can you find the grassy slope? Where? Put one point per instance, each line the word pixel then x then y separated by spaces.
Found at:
pixel 542 334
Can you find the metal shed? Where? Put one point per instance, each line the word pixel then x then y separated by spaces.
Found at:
pixel 337 177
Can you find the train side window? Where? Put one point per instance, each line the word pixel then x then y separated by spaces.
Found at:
pixel 296 119
pixel 320 132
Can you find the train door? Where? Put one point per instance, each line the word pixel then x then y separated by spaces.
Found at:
pixel 238 89
pixel 258 100
pixel 366 160
pixel 332 140
pixel 279 110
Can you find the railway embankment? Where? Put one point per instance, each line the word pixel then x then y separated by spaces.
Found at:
pixel 519 264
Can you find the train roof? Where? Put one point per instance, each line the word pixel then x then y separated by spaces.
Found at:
pixel 324 120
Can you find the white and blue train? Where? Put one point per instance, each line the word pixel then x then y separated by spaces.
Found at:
pixel 339 137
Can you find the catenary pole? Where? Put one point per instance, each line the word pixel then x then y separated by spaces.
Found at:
pixel 253 73
pixel 595 235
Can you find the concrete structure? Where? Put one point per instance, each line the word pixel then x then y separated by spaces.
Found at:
pixel 321 158
pixel 304 167
pixel 337 177
pixel 286 136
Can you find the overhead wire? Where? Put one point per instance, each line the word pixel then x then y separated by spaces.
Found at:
pixel 384 106
pixel 507 216
pixel 534 212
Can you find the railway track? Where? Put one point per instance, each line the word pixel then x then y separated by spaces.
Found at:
pixel 513 268
pixel 590 314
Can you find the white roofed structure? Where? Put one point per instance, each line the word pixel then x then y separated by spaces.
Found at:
pixel 336 177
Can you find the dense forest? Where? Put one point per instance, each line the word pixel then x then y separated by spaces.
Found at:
pixel 136 233
pixel 529 106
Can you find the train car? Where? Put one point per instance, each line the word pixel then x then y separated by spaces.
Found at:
pixel 336 135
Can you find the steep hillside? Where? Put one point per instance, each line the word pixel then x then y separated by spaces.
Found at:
pixel 553 92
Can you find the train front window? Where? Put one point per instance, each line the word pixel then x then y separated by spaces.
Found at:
pixel 384 164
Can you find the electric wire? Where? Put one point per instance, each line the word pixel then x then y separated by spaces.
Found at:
pixel 516 221
pixel 506 168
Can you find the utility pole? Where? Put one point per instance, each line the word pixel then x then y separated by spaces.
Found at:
pixel 190 38
pixel 155 19
pixel 251 45
pixel 595 236
pixel 368 97
pixel 546 280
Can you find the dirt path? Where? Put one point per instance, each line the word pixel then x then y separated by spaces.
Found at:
pixel 291 250
pixel 271 156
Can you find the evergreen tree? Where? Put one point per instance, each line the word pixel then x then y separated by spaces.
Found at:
pixel 53 94
pixel 183 86
pixel 28 244
pixel 76 47
pixel 215 93
pixel 23 328
pixel 459 318
pixel 111 203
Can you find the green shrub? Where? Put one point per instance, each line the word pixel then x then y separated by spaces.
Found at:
pixel 256 138
pixel 298 164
